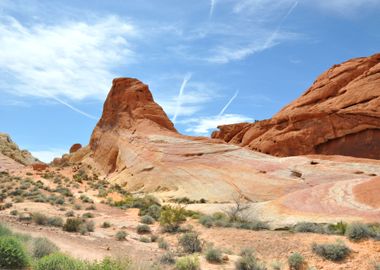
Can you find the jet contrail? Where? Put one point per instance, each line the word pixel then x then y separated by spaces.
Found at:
pixel 179 98
pixel 275 32
pixel 228 104
pixel 212 8
pixel 73 108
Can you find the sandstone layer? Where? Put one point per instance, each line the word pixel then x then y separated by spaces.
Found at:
pixel 10 149
pixel 338 115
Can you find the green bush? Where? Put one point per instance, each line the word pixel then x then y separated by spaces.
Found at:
pixel 214 255
pixel 121 235
pixel 143 228
pixel 206 221
pixel 106 224
pixel 339 228
pixel 40 219
pixel 172 217
pixel 12 253
pixel 43 247
pixel 153 210
pixel 110 264
pixel 190 242
pixel 58 261
pixel 358 231
pixel 188 263
pixel 249 262
pixel 4 231
pixel 167 258
pixel 147 219
pixel 162 243
pixel 309 227
pixel 296 261
pixel 72 225
pixel 332 252
pixel 88 215
pixel 145 239
pixel 55 221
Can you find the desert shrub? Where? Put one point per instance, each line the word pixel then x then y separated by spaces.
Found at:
pixel 106 224
pixel 332 252
pixel 246 252
pixel 85 199
pixel 14 212
pixel 162 243
pixel 40 219
pixel 111 264
pixel 70 213
pixel 143 228
pixel 296 261
pixel 172 217
pixel 358 231
pixel 88 215
pixel 121 235
pixel 190 242
pixel 91 207
pixel 90 226
pixel 214 255
pixel 43 247
pixel 72 224
pixel 206 221
pixel 145 239
pixel 308 227
pixel 55 221
pixel 4 231
pixel 249 262
pixel 376 266
pixel 188 263
pixel 153 238
pixel 147 219
pixel 277 265
pixel 167 258
pixel 339 228
pixel 12 253
pixel 58 261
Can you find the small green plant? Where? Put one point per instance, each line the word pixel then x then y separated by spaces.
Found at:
pixel 121 235
pixel 214 255
pixel 358 231
pixel 172 217
pixel 145 239
pixel 188 263
pixel 147 219
pixel 162 244
pixel 143 228
pixel 309 227
pixel 12 253
pixel 72 225
pixel 4 231
pixel 296 261
pixel 333 252
pixel 249 262
pixel 167 258
pixel 55 221
pixel 58 261
pixel 43 247
pixel 88 215
pixel 339 228
pixel 106 224
pixel 40 219
pixel 190 242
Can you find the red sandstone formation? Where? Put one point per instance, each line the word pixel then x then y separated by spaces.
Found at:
pixel 40 166
pixel 75 147
pixel 339 114
pixel 129 107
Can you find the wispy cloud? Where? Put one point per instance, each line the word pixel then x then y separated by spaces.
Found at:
pixel 212 8
pixel 228 103
pixel 180 94
pixel 72 59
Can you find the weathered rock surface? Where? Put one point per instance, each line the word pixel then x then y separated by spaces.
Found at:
pixel 75 147
pixel 339 115
pixel 10 149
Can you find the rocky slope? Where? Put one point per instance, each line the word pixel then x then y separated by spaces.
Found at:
pixel 9 149
pixel 339 114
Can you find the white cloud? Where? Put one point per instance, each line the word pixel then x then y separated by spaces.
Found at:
pixel 49 154
pixel 186 79
pixel 72 60
pixel 204 125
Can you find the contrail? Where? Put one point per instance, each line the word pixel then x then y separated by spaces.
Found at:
pixel 228 104
pixel 179 98
pixel 212 8
pixel 275 32
pixel 73 108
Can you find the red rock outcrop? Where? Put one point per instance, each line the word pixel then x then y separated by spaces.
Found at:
pixel 75 147
pixel 40 166
pixel 129 108
pixel 339 114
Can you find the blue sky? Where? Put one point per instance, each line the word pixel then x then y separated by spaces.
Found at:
pixel 207 62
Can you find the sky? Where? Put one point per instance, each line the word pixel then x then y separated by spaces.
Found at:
pixel 207 62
